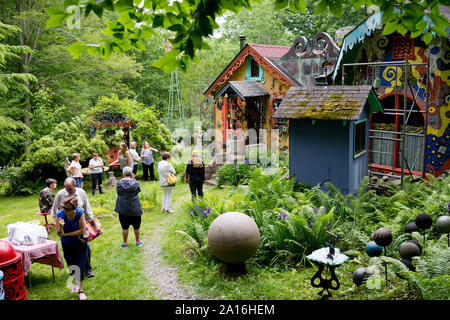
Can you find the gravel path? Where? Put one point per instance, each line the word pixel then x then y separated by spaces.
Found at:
pixel 166 286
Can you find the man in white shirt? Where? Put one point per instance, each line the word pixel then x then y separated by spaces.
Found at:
pixel 70 188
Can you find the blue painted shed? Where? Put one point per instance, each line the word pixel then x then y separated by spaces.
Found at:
pixel 329 133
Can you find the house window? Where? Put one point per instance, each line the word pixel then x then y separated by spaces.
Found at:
pixel 254 71
pixel 359 138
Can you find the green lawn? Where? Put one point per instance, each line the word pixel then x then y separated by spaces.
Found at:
pixel 119 272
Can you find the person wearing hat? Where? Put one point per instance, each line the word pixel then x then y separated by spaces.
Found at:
pixel 70 188
pixel 70 226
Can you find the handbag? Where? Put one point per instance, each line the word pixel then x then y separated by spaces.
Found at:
pixel 93 230
pixel 171 178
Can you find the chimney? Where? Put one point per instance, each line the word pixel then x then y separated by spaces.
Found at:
pixel 242 41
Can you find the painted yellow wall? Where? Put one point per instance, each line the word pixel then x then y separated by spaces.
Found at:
pixel 271 84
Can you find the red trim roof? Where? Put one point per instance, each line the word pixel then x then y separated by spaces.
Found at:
pixel 270 51
pixel 265 52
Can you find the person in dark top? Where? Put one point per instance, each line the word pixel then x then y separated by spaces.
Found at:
pixel 195 174
pixel 70 226
pixel 46 197
pixel 128 206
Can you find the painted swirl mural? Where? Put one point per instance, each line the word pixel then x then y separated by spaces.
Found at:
pixel 390 48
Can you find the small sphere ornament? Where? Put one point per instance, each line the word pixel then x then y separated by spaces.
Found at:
pixel 382 237
pixel 408 264
pixel 373 250
pixel 411 227
pixel 443 224
pixel 424 221
pixel 417 244
pixel 359 276
pixel 408 250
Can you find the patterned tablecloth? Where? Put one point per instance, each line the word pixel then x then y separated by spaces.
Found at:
pixel 45 253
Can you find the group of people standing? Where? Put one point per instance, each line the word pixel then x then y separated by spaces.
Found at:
pixel 131 158
pixel 127 157
pixel 71 210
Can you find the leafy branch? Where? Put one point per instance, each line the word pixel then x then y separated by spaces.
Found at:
pixel 192 21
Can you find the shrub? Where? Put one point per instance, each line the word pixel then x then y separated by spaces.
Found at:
pixel 234 175
pixel 46 157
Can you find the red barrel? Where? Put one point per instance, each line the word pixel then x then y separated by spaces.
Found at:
pixel 11 265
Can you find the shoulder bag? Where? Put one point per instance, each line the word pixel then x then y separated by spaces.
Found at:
pixel 171 178
pixel 93 230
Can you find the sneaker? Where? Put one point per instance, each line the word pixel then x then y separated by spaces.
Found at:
pixel 74 289
pixel 170 211
pixel 124 245
pixel 81 295
pixel 140 243
pixel 90 274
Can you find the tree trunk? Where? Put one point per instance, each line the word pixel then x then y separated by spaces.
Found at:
pixel 31 30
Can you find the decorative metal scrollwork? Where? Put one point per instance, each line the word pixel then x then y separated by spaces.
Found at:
pixel 301 44
pixel 325 283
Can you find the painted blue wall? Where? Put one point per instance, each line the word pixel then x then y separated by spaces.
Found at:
pixel 325 151
pixel 319 152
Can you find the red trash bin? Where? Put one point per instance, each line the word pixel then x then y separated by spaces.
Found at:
pixel 13 279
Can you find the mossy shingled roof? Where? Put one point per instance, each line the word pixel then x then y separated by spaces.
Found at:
pixel 324 103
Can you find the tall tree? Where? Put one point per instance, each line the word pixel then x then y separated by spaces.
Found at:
pixel 261 25
pixel 12 133
pixel 65 87
pixel 152 88
pixel 12 80
pixel 204 71
pixel 29 16
pixel 308 24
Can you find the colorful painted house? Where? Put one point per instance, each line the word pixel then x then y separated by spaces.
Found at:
pixel 251 87
pixel 427 116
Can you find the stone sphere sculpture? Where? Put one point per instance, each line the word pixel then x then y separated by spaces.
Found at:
pixel 411 227
pixel 443 224
pixel 382 237
pixel 424 221
pixel 233 237
pixel 359 276
pixel 373 250
pixel 408 250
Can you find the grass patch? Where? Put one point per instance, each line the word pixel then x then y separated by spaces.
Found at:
pixel 119 273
